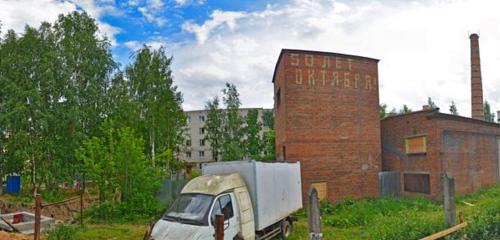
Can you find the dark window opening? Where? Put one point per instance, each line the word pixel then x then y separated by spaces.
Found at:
pixel 417 182
pixel 278 98
pixel 284 153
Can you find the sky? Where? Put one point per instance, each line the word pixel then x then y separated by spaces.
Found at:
pixel 423 45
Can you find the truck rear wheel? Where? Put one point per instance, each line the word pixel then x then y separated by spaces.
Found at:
pixel 286 228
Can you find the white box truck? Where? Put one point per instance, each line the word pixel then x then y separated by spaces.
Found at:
pixel 256 199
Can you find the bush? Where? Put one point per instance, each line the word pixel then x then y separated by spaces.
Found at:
pixel 485 225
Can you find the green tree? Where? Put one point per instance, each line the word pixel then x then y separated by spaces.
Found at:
pixel 488 115
pixel 80 74
pixel 232 133
pixel 393 112
pixel 55 80
pixel 453 108
pixel 268 119
pixel 269 146
pixel 117 164
pixel 159 101
pixel 269 138
pixel 382 110
pixel 405 109
pixel 431 103
pixel 252 129
pixel 214 127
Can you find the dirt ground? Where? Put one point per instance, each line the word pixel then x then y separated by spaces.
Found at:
pixel 13 236
pixel 63 212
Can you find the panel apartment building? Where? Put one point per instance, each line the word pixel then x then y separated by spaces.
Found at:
pixel 197 149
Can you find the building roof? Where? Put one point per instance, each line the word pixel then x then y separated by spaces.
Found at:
pixel 283 51
pixel 435 114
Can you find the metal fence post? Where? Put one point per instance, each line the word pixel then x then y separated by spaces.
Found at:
pixel 314 215
pixel 449 200
pixel 38 210
pixel 219 227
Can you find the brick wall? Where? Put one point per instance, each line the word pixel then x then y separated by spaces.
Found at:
pixel 462 147
pixel 327 118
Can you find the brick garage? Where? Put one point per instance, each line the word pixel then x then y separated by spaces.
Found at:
pixel 327 118
pixel 424 145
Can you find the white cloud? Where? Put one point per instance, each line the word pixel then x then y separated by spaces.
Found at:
pixel 133 45
pixel 218 18
pixel 150 12
pixel 423 47
pixel 181 3
pixel 133 2
pixel 155 4
pixel 16 14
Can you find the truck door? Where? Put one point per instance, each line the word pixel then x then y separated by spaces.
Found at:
pixel 225 204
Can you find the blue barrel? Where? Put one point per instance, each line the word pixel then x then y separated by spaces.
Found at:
pixel 13 184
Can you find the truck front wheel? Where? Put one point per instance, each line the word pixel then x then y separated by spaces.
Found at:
pixel 286 228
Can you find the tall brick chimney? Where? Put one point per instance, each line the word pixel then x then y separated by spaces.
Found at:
pixel 476 81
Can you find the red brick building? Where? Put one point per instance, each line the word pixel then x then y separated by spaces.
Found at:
pixel 326 107
pixel 424 145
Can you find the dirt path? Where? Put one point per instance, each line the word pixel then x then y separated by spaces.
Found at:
pixel 13 236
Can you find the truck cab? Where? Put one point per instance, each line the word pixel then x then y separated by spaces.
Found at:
pixel 192 215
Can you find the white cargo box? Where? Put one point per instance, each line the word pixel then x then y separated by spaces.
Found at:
pixel 275 187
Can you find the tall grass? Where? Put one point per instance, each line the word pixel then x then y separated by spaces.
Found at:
pixel 408 218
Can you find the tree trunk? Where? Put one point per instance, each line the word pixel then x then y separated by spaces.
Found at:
pixel 152 142
pixel 1 176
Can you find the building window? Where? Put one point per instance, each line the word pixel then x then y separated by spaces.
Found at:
pixel 188 131
pixel 202 130
pixel 202 118
pixel 201 154
pixel 188 154
pixel 189 120
pixel 278 98
pixel 417 182
pixel 322 189
pixel 188 142
pixel 416 144
pixel 284 153
pixel 202 142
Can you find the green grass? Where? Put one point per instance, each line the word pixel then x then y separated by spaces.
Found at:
pixel 97 232
pixel 404 218
pixel 384 218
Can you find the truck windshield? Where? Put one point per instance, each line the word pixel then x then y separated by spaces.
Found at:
pixel 190 209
